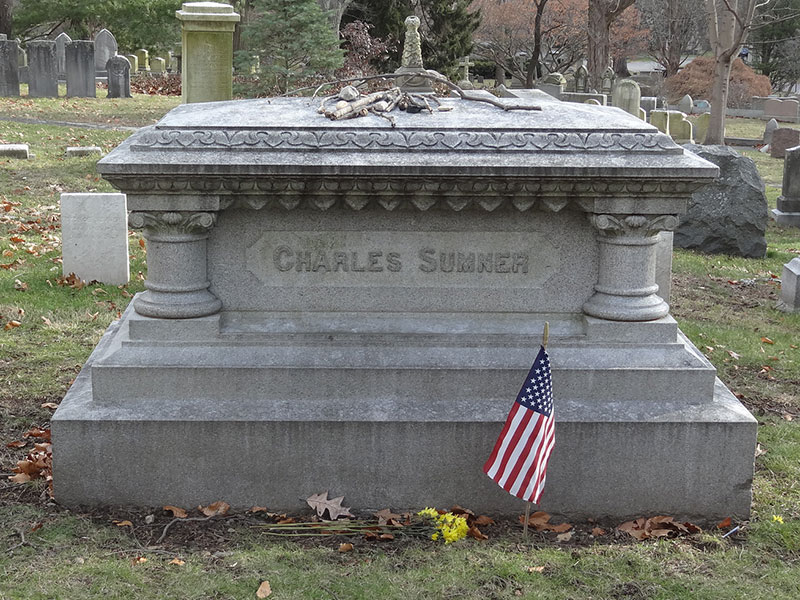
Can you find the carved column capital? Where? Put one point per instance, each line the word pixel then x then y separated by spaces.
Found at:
pixel 633 225
pixel 173 222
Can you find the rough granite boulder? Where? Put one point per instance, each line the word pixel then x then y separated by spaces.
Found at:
pixel 730 215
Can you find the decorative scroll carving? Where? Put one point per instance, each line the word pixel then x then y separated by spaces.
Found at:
pixel 394 140
pixel 173 222
pixel 633 225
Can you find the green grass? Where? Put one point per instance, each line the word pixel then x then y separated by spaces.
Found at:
pixel 750 128
pixel 137 111
pixel 722 303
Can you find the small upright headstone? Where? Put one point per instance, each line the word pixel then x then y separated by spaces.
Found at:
pixel 134 62
pixel 94 237
pixel 790 287
pixel 770 128
pixel 144 59
pixel 680 128
pixel 686 104
pixel 701 127
pixel 627 96
pixel 788 206
pixel 783 138
pixel 660 120
pixel 62 39
pixel 172 62
pixel 42 70
pixel 105 46
pixel 553 84
pixel 465 64
pixel 649 104
pixel 581 80
pixel 119 77
pixel 14 151
pixel 158 65
pixel 9 71
pixel 609 77
pixel 80 70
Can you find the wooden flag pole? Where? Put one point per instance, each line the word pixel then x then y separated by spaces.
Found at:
pixel 545 339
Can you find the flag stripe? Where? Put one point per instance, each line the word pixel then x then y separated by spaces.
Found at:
pixel 518 462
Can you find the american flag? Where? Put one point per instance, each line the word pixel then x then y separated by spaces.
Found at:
pixel 518 463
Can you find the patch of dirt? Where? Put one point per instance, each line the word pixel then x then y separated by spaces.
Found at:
pixel 692 295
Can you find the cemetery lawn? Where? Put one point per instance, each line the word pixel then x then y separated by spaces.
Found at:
pixel 48 328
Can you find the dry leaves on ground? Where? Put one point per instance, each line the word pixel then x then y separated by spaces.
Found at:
pixel 333 506
pixel 540 521
pixel 660 526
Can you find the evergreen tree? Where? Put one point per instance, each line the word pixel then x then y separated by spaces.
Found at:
pixel 292 40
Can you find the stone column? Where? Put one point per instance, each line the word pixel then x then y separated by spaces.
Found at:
pixel 177 281
pixel 626 285
pixel 207 54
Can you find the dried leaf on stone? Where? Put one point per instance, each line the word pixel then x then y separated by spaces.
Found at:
pixel 263 590
pixel 215 509
pixel 177 512
pixel 321 503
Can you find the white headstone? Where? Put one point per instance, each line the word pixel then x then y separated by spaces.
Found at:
pixel 94 237
pixel 628 96
pixel 772 125
pixel 790 286
pixel 686 104
pixel 105 46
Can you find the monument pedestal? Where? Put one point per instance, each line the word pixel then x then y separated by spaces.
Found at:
pixel 352 306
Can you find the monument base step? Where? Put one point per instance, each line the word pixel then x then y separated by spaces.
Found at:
pixel 611 459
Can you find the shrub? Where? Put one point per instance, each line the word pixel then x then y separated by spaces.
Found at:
pixel 696 79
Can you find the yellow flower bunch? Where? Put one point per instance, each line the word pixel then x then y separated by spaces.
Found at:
pixel 448 526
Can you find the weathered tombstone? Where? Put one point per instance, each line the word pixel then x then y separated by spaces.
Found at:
pixel 172 62
pixel 133 60
pixel 660 120
pixel 627 96
pixel 581 79
pixel 783 138
pixel 680 128
pixel 62 39
pixel 686 104
pixel 770 127
pixel 23 55
pixel 9 71
pixel 701 127
pixel 464 63
pixel 80 70
pixel 158 65
pixel 788 206
pixel 607 81
pixel 295 308
pixel 143 57
pixel 790 287
pixel 94 237
pixel 105 46
pixel 553 84
pixel 42 69
pixel 730 215
pixel 207 51
pixel 119 77
pixel 592 101
pixel 781 109
pixel 649 104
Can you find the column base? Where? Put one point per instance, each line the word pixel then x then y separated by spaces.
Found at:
pixel 163 305
pixel 626 308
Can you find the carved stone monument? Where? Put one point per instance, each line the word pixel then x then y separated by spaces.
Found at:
pixel 119 77
pixel 207 54
pixel 351 305
pixel 105 46
pixel 411 61
pixel 62 39
pixel 80 69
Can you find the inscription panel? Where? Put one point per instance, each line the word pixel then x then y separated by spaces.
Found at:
pixel 474 259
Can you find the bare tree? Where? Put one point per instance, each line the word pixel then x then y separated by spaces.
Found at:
pixel 729 22
pixel 335 10
pixel 677 28
pixel 601 14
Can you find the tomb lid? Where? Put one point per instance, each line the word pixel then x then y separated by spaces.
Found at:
pixel 287 136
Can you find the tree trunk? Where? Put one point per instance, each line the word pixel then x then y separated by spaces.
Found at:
pixel 6 16
pixel 535 63
pixel 621 66
pixel 499 75
pixel 719 101
pixel 599 47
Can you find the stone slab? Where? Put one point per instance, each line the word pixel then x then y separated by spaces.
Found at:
pixel 703 453
pixel 786 219
pixel 94 235
pixel 14 150
pixel 783 138
pixel 790 285
pixel 75 151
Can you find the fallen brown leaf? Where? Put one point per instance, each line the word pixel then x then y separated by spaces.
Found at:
pixel 476 533
pixel 177 512
pixel 560 528
pixel 483 521
pixel 17 444
pixel 766 340
pixel 263 590
pixel 536 569
pixel 564 537
pixel 345 547
pixel 51 405
pixel 597 531
pixel 125 523
pixel 386 537
pixel 321 503
pixel 215 509
pixel 177 561
pixel 257 509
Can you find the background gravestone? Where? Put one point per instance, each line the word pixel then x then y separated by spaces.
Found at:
pixel 788 205
pixel 769 129
pixel 62 39
pixel 9 71
pixel 730 215
pixel 105 46
pixel 134 62
pixel 42 69
pixel 627 95
pixel 686 104
pixel 80 70
pixel 158 65
pixel 144 59
pixel 783 138
pixel 119 77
